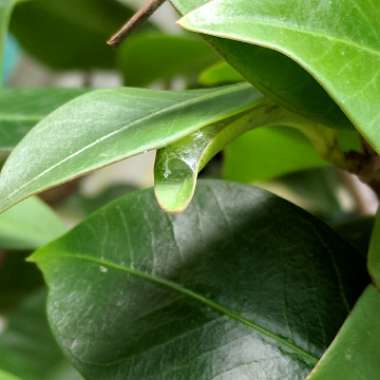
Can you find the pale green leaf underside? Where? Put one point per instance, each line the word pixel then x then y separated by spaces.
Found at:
pixel 355 352
pixel 338 42
pixel 105 126
pixel 219 73
pixel 29 225
pixel 186 296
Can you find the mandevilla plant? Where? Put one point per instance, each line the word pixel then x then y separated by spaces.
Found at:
pixel 215 279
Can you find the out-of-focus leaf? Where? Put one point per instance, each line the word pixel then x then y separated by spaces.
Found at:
pixel 21 109
pixel 268 153
pixel 17 279
pixel 7 376
pixel 106 126
pixel 335 41
pixel 150 57
pixel 358 232
pixel 27 348
pixel 69 34
pixel 29 225
pixel 274 74
pixel 219 73
pixel 197 295
pixel 355 352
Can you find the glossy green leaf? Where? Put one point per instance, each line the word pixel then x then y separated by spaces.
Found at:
pixel 21 109
pixel 219 73
pixel 109 125
pixel 274 74
pixel 335 41
pixel 268 153
pixel 354 354
pixel 27 349
pixel 199 295
pixel 69 34
pixel 149 57
pixel 29 225
pixel 374 253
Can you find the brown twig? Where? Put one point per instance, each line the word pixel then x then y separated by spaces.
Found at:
pixel 138 18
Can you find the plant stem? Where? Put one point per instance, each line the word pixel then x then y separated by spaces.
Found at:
pixel 138 18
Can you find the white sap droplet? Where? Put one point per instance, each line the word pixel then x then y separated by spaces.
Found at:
pixel 103 269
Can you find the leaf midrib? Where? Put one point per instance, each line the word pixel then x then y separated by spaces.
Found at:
pixel 187 102
pixel 305 356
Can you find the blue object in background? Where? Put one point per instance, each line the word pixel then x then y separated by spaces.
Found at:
pixel 11 55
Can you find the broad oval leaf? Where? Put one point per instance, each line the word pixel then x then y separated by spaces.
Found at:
pixel 149 57
pixel 242 285
pixel 274 74
pixel 355 352
pixel 109 125
pixel 21 109
pixel 335 41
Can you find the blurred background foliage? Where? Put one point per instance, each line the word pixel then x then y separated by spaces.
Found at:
pixel 55 43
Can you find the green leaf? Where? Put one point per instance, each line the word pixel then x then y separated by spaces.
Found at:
pixel 268 153
pixel 274 74
pixel 27 348
pixel 29 225
pixel 150 57
pixel 7 376
pixel 197 295
pixel 355 352
pixel 21 109
pixel 105 126
pixel 374 253
pixel 219 73
pixel 69 34
pixel 331 40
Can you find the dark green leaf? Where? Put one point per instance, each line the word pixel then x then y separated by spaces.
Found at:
pixel 274 74
pixel 69 34
pixel 374 253
pixel 355 352
pixel 105 126
pixel 335 41
pixel 21 109
pixel 146 58
pixel 27 348
pixel 17 279
pixel 242 285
